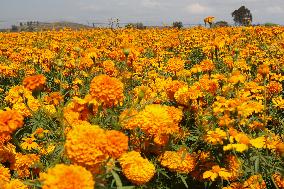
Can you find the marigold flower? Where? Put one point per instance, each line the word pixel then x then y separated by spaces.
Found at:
pixel 84 146
pixel 215 137
pixel 136 168
pixel 23 164
pixel 175 65
pixel 207 65
pixel 173 87
pixel 64 176
pixel 29 143
pixel 4 176
pixel 216 172
pixel 35 82
pixel 180 161
pixel 16 184
pixel 117 143
pixel 7 153
pixel 10 121
pixel 274 87
pixel 156 121
pixel 107 90
pixel 263 69
pixel 279 180
pixel 255 182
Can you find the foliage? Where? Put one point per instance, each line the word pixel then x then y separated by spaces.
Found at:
pixel 177 24
pixel 242 16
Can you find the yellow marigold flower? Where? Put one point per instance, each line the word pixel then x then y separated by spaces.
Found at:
pixel 255 182
pixel 47 150
pixel 155 120
pixel 175 65
pixel 16 184
pixel 16 94
pixel 238 147
pixel 84 145
pixel 215 137
pixel 23 164
pixel 66 177
pixel 107 90
pixel 278 102
pixel 4 176
pixel 136 168
pixel 180 161
pixel 216 172
pixel 29 143
pixel 258 142
pixel 10 121
pixel 35 82
pixel 182 96
pixel 237 77
pixel 39 132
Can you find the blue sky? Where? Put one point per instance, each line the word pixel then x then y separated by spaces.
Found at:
pixel 150 12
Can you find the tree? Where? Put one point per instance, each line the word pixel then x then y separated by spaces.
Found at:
pixel 138 25
pixel 177 24
pixel 14 28
pixel 221 24
pixel 242 16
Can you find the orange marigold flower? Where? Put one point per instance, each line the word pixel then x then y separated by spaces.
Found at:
pixel 16 184
pixel 136 168
pixel 173 87
pixel 274 87
pixel 234 166
pixel 66 177
pixel 117 143
pixel 35 82
pixel 4 176
pixel 54 98
pixel 7 153
pixel 109 67
pixel 255 182
pixel 207 65
pixel 10 121
pixel 84 146
pixel 175 65
pixel 279 180
pixel 23 164
pixel 107 90
pixel 155 120
pixel 263 69
pixel 180 161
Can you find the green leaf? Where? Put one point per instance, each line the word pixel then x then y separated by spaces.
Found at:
pixel 256 165
pixel 116 178
pixel 126 187
pixel 183 181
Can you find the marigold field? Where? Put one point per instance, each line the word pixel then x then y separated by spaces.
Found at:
pixel 155 108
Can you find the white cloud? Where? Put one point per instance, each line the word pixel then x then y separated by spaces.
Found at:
pixel 150 3
pixel 197 8
pixel 89 8
pixel 274 10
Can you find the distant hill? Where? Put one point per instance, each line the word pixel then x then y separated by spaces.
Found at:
pixel 42 26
